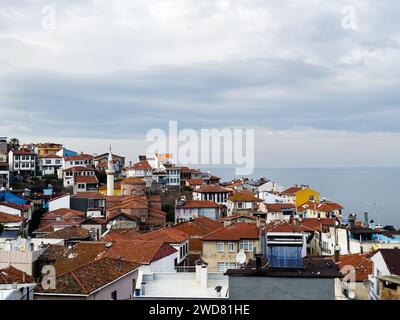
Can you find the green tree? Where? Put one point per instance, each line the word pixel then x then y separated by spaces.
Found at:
pixel 14 143
pixel 169 209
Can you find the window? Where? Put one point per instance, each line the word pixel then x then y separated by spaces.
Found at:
pixel 114 295
pixel 81 186
pixel 246 245
pixel 240 205
pixel 48 161
pixel 224 266
pixel 220 246
pixel 231 247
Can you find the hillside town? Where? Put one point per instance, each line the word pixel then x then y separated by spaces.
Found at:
pixel 98 227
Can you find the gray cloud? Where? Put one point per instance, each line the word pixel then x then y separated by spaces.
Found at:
pixel 115 70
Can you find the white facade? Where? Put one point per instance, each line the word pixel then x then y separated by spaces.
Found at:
pixel 269 197
pixel 271 186
pixel 218 197
pixel 22 163
pixel 187 214
pixel 173 177
pixel 4 178
pixel 336 236
pixel 60 203
pixel 379 269
pixel 50 165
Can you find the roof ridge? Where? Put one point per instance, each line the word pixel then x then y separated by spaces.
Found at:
pixel 79 282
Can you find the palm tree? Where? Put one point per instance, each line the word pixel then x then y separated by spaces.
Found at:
pixel 14 143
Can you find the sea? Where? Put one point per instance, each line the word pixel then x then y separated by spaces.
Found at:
pixel 357 189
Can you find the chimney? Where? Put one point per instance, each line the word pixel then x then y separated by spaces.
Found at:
pixel 23 277
pixel 366 221
pixel 198 271
pixel 120 264
pixel 337 254
pixel 204 276
pixel 258 262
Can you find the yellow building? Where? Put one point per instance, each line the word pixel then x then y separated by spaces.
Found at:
pixel 305 195
pixel 48 148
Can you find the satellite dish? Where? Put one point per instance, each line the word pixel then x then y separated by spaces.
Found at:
pixel 352 295
pixel 22 248
pixel 241 257
pixel 367 283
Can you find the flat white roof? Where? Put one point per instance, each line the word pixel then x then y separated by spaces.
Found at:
pixel 184 285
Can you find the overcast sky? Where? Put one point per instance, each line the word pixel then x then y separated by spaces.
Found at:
pixel 317 91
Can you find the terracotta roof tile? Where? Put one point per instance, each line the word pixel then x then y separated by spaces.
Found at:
pixel 140 251
pixel 9 218
pixel 198 204
pixel 198 227
pixel 91 277
pixel 361 262
pixel 86 179
pixel 68 233
pixel 168 235
pixel 213 188
pixel 291 191
pixel 234 232
pixel 141 165
pixel 243 196
pixel 12 275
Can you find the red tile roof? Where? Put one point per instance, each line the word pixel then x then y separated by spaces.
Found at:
pixel 23 152
pixel 121 234
pixel 141 165
pixel 9 218
pixel 282 226
pixel 316 224
pixel 69 233
pixel 244 196
pixel 79 157
pixel 86 179
pixel 89 195
pixel 198 227
pixel 291 191
pixel 361 262
pixel 12 275
pixel 168 235
pixel 198 204
pixel 80 255
pixel 15 206
pixel 139 251
pixel 321 206
pixel 392 259
pixel 235 232
pixel 279 207
pixel 80 169
pixel 213 188
pixel 87 279
pixel 134 181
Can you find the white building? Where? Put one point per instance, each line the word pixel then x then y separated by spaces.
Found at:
pixel 143 170
pixel 213 193
pixel 386 264
pixel 4 176
pixel 82 160
pixel 22 162
pixel 270 186
pixel 50 164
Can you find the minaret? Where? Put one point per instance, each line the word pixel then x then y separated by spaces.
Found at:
pixel 110 175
